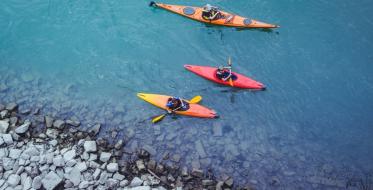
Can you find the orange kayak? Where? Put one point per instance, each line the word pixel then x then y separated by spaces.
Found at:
pixel 227 19
pixel 194 110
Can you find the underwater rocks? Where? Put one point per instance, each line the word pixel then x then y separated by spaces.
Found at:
pixel 53 154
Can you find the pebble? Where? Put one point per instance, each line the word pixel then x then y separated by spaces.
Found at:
pixel 112 167
pixel 105 156
pixel 13 180
pixel 51 180
pixel 90 146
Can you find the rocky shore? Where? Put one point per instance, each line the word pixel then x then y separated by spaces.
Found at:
pixel 42 152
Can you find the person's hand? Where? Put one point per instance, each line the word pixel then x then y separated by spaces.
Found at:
pixel 169 111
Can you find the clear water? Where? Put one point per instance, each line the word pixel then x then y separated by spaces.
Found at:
pixel 314 121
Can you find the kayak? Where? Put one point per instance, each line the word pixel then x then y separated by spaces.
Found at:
pixel 195 110
pixel 238 80
pixel 227 19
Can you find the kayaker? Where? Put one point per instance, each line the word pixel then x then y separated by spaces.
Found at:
pixel 224 73
pixel 210 13
pixel 174 104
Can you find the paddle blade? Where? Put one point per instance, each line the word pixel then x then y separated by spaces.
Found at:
pixel 231 82
pixel 229 61
pixel 158 118
pixel 195 100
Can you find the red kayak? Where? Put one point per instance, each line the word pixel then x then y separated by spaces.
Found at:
pixel 238 81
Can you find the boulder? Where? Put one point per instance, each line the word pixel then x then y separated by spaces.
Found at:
pixel 8 139
pixel 48 121
pixel 13 180
pixel 59 124
pixel 112 167
pixel 136 182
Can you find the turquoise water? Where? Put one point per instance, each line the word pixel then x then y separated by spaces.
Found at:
pixel 314 121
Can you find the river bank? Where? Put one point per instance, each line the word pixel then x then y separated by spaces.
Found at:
pixel 39 151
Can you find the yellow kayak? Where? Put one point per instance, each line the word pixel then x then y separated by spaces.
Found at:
pixel 194 110
pixel 227 19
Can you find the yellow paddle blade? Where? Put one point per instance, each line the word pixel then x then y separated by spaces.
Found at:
pixel 231 82
pixel 195 99
pixel 158 118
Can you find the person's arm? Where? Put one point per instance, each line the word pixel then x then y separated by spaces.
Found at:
pixel 230 74
pixel 213 16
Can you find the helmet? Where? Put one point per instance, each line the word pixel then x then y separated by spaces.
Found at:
pixel 207 7
pixel 220 68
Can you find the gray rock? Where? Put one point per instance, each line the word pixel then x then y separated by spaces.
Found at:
pixel 32 151
pixel 103 177
pixel 69 155
pixel 95 129
pixel 4 126
pixel 27 183
pixel 13 180
pixel 90 146
pixel 59 124
pixel 136 182
pixel 96 174
pixel 36 182
pixel 140 165
pixel 83 184
pixel 14 153
pixel 73 122
pixel 112 183
pixel 105 156
pixel 118 176
pixel 4 114
pixel 200 150
pixel 68 184
pixel 53 142
pixel 92 157
pixel 81 166
pixel 1 182
pixel 150 149
pixel 197 172
pixel 112 167
pixel 1 141
pixel 217 129
pixel 51 180
pixel 71 163
pixel 123 183
pixel 58 161
pixel 35 159
pixel 23 128
pixel 11 106
pixel 74 176
pixel 119 144
pixel 48 121
pixel 8 163
pixel 52 133
pixel 141 188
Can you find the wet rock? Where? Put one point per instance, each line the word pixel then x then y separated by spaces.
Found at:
pixel 228 181
pixel 4 126
pixel 12 106
pixel 140 165
pixel 95 129
pixel 73 122
pixel 90 146
pixel 52 133
pixel 59 124
pixel 51 180
pixel 48 121
pixel 217 129
pixel 152 165
pixel 114 134
pixel 176 158
pixel 197 172
pixel 207 182
pixel 200 149
pixel 118 177
pixel 119 144
pixel 13 180
pixel 105 156
pixel 150 149
pixel 13 121
pixel 143 154
pixel 160 168
pixel 274 181
pixel 23 128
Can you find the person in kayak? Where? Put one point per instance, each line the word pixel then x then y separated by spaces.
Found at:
pixel 210 13
pixel 224 73
pixel 175 103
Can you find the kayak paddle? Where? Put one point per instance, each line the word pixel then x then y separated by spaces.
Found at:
pixel 230 78
pixel 159 118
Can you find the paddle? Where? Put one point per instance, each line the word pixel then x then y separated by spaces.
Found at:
pixel 159 118
pixel 230 78
pixel 152 4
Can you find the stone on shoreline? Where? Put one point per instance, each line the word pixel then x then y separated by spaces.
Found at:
pixel 90 146
pixel 4 126
pixel 51 180
pixel 11 106
pixel 48 121
pixel 105 156
pixel 23 128
pixel 13 180
pixel 95 129
pixel 59 124
pixel 112 167
pixel 136 182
